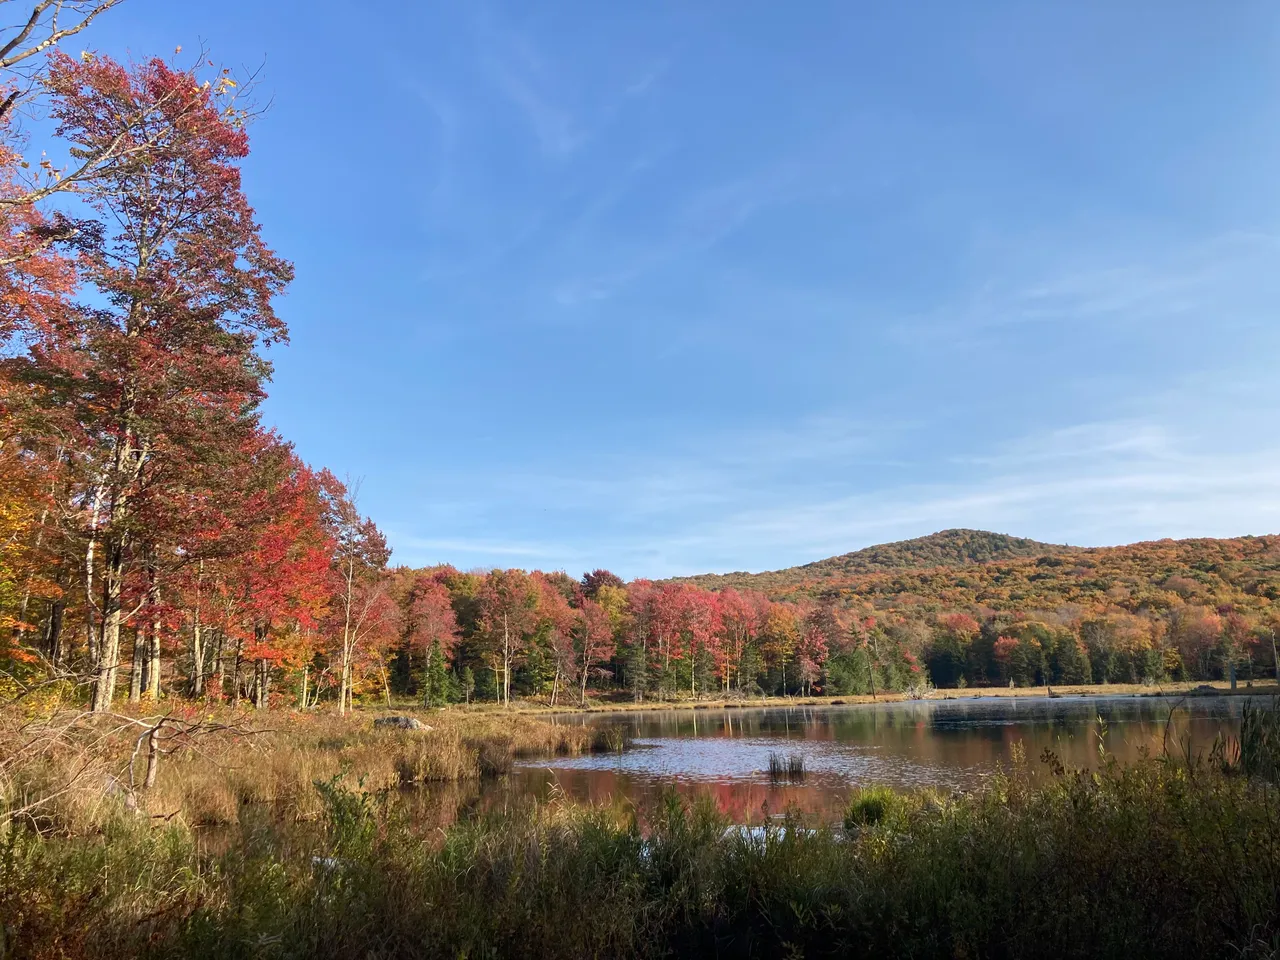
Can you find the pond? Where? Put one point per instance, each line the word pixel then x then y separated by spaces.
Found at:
pixel 944 743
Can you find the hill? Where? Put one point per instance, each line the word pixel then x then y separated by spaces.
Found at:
pixel 976 571
pixel 946 549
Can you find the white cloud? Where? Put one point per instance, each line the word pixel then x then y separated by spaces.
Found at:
pixel 1231 279
pixel 739 504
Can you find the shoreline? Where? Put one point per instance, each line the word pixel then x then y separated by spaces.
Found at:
pixel 1075 691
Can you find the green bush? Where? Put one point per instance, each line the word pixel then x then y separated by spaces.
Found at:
pixel 871 806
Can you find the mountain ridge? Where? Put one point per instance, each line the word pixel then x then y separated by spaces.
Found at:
pixel 980 567
pixel 954 547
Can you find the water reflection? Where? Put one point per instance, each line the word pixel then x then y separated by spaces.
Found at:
pixel 945 743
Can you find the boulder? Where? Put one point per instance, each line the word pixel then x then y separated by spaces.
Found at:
pixel 400 723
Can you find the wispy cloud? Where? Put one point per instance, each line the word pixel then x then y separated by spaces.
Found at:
pixel 749 501
pixel 451 549
pixel 701 218
pixel 642 84
pixel 1232 279
pixel 527 79
pixel 1114 440
pixel 1093 483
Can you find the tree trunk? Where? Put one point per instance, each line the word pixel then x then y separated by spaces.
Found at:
pixel 506 662
pixel 348 641
pixel 91 631
pixel 235 676
pixel 197 643
pixel 197 658
pixel 104 687
pixel 153 661
pixel 142 651
pixel 386 682
pixel 219 659
pixel 54 642
pixel 135 672
pixel 261 684
pixel 153 758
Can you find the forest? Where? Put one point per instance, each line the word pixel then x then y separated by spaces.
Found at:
pixel 160 541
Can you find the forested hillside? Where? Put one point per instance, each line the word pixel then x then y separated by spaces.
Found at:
pixel 949 548
pixel 958 608
pixel 980 569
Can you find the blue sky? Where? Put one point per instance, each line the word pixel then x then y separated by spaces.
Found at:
pixel 699 286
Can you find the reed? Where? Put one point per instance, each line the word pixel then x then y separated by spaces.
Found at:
pixel 78 778
pixel 786 769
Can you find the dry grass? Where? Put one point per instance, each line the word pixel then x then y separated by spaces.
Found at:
pixel 80 779
pixel 534 708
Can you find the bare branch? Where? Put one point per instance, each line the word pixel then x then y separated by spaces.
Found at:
pixel 13 52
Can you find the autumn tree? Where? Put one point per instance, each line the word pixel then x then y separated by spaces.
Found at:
pixel 364 614
pixel 277 568
pixel 947 652
pixel 164 365
pixel 508 602
pixel 433 629
pixel 740 621
pixel 593 634
pixel 595 580
pixel 779 637
pixel 553 628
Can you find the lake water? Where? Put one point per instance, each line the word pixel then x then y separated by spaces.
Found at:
pixel 944 743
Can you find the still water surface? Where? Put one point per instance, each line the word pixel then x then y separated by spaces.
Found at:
pixel 943 743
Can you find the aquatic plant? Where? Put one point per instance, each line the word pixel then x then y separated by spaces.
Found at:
pixel 786 769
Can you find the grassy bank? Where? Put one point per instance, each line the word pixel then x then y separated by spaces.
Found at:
pixel 622 704
pixel 73 772
pixel 1154 860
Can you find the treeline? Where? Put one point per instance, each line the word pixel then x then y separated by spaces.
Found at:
pixel 509 633
pixel 155 538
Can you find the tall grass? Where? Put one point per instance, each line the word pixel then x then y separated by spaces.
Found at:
pixel 1153 860
pixel 1258 753
pixel 786 769
pixel 80 780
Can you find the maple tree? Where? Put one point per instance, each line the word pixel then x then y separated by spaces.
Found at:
pixel 594 633
pixel 161 377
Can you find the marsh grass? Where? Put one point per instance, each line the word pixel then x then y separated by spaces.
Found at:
pixel 1162 858
pixel 1150 860
pixel 1256 752
pixel 786 769
pixel 872 806
pixel 81 781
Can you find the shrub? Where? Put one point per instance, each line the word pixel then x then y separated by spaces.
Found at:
pixel 871 806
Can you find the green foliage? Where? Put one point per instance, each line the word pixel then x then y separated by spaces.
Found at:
pixel 872 806
pixel 437 685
